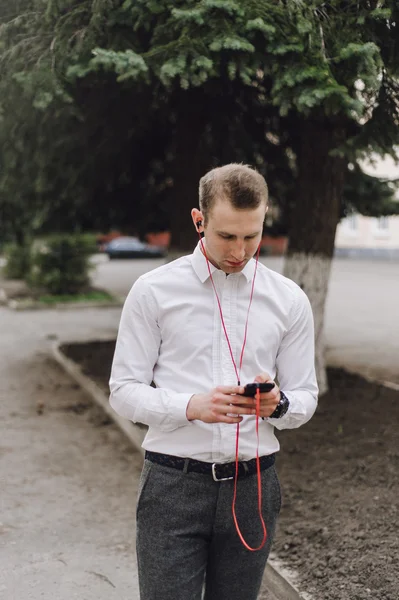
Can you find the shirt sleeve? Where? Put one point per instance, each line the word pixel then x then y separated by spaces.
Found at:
pixel 136 353
pixel 295 365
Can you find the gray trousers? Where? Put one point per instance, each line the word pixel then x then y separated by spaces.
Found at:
pixel 186 537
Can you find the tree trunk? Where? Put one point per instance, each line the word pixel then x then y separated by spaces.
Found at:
pixel 313 222
pixel 190 164
pixel 20 237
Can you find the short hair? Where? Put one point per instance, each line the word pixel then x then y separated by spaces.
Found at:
pixel 240 184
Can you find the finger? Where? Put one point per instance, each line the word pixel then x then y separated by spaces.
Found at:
pixel 230 389
pixel 263 378
pixel 230 419
pixel 244 410
pixel 272 395
pixel 241 400
pixel 232 416
pixel 235 410
pixel 220 398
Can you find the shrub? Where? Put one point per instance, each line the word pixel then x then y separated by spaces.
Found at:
pixel 61 265
pixel 18 261
pixel 90 241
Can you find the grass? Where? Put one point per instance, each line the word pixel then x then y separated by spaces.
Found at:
pixel 95 296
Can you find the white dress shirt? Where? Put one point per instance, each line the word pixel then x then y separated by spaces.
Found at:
pixel 171 334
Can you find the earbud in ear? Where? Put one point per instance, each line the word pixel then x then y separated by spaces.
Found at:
pixel 199 224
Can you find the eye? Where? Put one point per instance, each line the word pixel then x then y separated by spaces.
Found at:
pixel 226 237
pixel 251 237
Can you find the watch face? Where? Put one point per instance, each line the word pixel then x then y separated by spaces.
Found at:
pixel 285 403
pixel 281 407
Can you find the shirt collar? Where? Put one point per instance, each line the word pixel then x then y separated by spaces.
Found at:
pixel 201 268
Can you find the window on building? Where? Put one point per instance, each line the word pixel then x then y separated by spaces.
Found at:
pixel 382 224
pixel 380 227
pixel 352 222
pixel 350 225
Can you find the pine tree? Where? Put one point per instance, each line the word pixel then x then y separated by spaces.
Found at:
pixel 299 89
pixel 325 76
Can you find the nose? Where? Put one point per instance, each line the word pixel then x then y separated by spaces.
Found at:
pixel 239 251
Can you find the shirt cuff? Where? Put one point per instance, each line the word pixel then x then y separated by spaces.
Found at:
pixel 178 408
pixel 297 414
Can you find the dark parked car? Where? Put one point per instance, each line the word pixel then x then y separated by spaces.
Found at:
pixel 131 247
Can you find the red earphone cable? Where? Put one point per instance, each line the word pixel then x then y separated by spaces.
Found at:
pixel 259 481
pixel 221 315
pixel 238 372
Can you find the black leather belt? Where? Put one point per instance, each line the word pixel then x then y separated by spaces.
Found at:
pixel 219 471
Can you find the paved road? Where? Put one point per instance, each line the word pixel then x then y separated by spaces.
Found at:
pixel 362 311
pixel 362 317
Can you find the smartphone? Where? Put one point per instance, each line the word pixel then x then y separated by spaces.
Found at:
pixel 250 388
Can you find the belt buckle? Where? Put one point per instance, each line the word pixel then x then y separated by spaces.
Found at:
pixel 215 477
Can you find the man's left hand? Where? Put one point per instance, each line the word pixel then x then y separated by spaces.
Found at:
pixel 268 400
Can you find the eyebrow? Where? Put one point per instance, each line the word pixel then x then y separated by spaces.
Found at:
pixel 226 233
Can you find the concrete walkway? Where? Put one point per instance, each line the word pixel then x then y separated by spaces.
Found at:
pixel 68 483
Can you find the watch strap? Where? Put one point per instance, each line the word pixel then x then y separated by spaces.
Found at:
pixel 281 408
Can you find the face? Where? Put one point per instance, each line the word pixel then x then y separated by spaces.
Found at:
pixel 232 236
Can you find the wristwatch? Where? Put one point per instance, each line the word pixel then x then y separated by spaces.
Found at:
pixel 281 407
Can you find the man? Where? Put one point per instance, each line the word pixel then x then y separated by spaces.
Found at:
pixel 174 334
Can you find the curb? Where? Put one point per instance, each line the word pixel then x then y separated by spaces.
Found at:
pixel 20 306
pixel 357 371
pixel 27 304
pixel 279 584
pixel 65 306
pixel 134 434
pixel 388 384
pixel 274 579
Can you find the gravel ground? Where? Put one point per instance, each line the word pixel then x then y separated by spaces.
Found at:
pixel 339 526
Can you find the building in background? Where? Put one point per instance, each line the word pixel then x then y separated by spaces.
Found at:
pixel 359 236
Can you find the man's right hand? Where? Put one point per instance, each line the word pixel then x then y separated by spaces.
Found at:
pixel 220 405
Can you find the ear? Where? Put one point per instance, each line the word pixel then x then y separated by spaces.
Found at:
pixel 198 219
pixel 264 218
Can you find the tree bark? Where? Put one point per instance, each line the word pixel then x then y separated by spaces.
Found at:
pixel 190 164
pixel 313 221
pixel 20 233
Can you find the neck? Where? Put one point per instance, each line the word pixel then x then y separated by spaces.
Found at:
pixel 203 250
